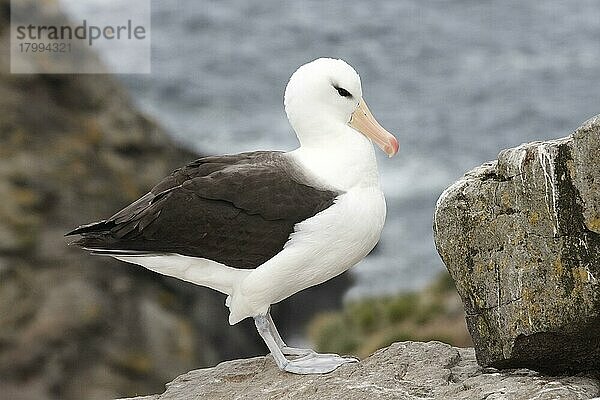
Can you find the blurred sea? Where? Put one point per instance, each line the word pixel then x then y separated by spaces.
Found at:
pixel 456 81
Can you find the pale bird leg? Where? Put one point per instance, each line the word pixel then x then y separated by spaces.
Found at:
pixel 285 349
pixel 312 363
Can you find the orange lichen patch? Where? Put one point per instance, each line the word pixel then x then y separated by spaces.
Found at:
pixel 593 224
pixel 557 267
pixel 534 217
pixel 506 199
pixel 581 275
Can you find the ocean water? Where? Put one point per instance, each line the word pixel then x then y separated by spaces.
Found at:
pixel 456 81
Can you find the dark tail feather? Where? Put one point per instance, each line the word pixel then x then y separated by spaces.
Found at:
pixel 95 241
pixel 128 253
pixel 104 245
pixel 94 227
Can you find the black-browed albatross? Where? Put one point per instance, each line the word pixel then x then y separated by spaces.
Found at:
pixel 263 225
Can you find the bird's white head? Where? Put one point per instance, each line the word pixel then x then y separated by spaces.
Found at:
pixel 325 96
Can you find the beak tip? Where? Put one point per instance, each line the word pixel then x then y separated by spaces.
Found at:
pixel 394 146
pixel 363 121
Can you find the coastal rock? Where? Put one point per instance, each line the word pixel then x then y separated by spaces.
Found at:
pixel 520 237
pixel 402 371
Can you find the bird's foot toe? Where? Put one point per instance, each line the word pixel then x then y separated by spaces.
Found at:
pixel 316 363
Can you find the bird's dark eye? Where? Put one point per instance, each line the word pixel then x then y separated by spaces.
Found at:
pixel 343 92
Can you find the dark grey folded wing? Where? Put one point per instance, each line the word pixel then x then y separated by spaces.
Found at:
pixel 238 210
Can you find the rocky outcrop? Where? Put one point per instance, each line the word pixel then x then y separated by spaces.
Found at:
pixel 74 149
pixel 403 371
pixel 521 238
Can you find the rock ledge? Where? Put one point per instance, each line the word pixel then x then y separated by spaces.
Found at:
pixel 403 371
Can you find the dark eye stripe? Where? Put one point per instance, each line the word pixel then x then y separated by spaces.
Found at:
pixel 343 92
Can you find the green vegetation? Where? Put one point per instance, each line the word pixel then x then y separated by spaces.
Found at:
pixel 434 313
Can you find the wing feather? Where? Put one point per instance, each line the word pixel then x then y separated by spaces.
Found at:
pixel 238 210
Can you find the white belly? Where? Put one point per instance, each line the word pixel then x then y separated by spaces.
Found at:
pixel 321 248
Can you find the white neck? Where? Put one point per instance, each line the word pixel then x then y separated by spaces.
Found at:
pixel 337 156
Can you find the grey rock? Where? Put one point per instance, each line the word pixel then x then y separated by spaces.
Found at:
pixel 403 371
pixel 520 237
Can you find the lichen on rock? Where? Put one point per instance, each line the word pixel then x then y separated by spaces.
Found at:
pixel 520 237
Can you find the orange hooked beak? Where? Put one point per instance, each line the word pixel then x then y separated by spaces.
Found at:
pixel 363 121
